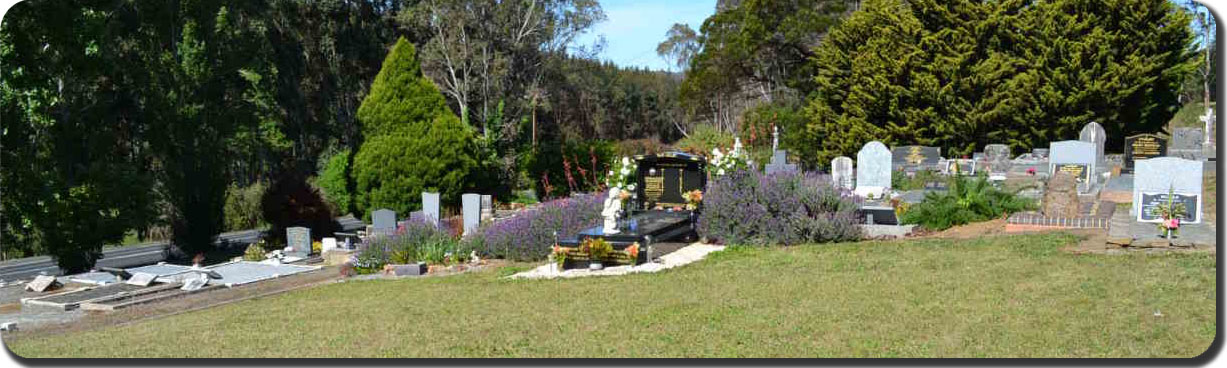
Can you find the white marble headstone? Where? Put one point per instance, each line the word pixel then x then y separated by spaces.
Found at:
pixel 873 165
pixel 841 172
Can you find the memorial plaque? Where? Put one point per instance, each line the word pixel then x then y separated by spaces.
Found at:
pixel 1149 201
pixel 1142 147
pixel 915 158
pixel 1078 171
pixel 1077 158
pixel 661 179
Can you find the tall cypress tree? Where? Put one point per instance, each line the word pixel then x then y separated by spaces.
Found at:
pixel 963 74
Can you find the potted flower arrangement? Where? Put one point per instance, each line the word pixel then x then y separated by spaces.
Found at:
pixel 597 249
pixel 693 199
pixel 622 178
pixel 1170 212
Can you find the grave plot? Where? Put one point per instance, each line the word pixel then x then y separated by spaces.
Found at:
pixel 72 300
pixel 243 272
pixel 1166 207
pixel 1063 207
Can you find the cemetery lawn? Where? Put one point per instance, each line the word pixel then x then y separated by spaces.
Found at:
pixel 1001 296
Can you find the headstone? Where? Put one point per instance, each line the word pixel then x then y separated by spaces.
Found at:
pixel 298 240
pixel 1143 147
pixel 1077 158
pixel 42 283
pixel 1093 133
pixel 487 207
pixel 141 279
pixel 471 209
pixel 841 172
pixel 328 244
pixel 779 163
pixel 873 168
pixel 1209 119
pixel 1155 178
pixel 961 166
pixel 1061 196
pixel 430 207
pixel 663 178
pixel 998 158
pixel 1186 143
pixel 384 221
pixel 915 158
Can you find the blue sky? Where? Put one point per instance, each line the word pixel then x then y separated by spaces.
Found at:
pixel 634 27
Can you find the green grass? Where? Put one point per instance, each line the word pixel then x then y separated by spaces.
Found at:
pixel 1190 115
pixel 1015 296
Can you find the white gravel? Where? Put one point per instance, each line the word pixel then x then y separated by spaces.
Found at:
pixel 690 253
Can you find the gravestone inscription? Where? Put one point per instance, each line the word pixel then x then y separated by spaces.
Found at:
pixel 1143 147
pixel 915 158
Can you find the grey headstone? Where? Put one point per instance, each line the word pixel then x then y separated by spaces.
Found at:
pixel 1187 143
pixel 42 283
pixel 873 168
pixel 998 158
pixel 1093 133
pixel 299 240
pixel 1143 147
pixel 141 279
pixel 1077 158
pixel 841 172
pixel 1154 178
pixel 964 167
pixel 915 158
pixel 779 163
pixel 430 207
pixel 383 220
pixel 471 209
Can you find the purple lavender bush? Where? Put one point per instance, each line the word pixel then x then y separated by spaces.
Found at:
pixel 750 208
pixel 415 240
pixel 529 235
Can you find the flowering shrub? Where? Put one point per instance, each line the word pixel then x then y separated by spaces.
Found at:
pixel 415 241
pixel 722 164
pixel 529 234
pixel 750 208
pixel 622 175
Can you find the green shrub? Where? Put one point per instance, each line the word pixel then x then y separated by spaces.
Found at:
pixel 243 207
pixel 899 180
pixel 646 146
pixel 333 181
pixel 755 128
pixel 254 253
pixel 400 95
pixel 703 138
pixel 967 200
pixel 391 171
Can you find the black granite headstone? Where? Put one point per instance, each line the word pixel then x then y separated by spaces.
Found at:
pixel 1143 146
pixel 915 158
pixel 662 179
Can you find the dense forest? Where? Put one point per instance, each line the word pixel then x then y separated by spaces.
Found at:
pixel 136 119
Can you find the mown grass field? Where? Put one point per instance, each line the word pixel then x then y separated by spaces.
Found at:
pixel 1017 296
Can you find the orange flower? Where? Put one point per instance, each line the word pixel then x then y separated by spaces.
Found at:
pixel 633 250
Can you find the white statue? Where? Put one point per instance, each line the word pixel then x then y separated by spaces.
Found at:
pixel 613 204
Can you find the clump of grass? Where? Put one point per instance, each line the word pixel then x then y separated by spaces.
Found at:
pixel 966 201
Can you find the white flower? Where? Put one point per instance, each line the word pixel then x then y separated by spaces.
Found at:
pixel 626 171
pixel 630 187
pixel 721 172
pixel 610 172
pixel 626 161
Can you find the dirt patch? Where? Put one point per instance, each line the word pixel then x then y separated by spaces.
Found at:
pixel 969 231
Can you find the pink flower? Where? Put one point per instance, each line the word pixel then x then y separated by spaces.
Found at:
pixel 1030 171
pixel 1173 223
